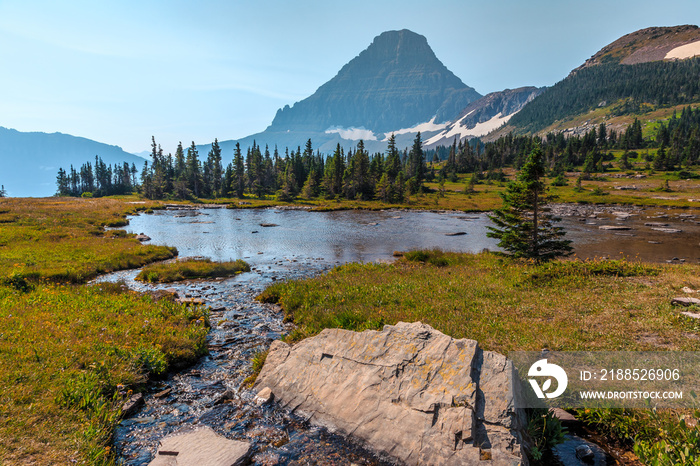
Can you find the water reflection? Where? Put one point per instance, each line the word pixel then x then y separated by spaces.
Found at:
pixel 345 236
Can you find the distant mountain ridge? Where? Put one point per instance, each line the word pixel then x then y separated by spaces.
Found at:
pixel 31 160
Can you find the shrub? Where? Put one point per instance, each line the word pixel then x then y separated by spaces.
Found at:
pixel 434 257
pixel 545 430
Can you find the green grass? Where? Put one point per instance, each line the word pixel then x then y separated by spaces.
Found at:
pixel 70 354
pixel 63 240
pixel 190 268
pixel 258 363
pixel 506 305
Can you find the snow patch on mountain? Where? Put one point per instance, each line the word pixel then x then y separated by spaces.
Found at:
pixel 684 51
pixel 352 134
pixel 422 127
pixel 480 129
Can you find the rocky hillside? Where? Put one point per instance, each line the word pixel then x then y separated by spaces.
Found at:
pixel 645 45
pixel 650 69
pixel 485 115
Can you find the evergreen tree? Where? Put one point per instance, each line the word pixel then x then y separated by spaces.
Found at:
pixel 470 188
pixel 310 188
pixel 416 164
pixel 660 158
pixel 62 183
pixel 289 185
pixel 193 170
pixel 384 189
pixel 399 188
pixel 361 177
pixel 238 185
pixel 602 135
pixel 180 165
pixel 147 181
pixel 216 169
pixel 523 225
pixel 393 158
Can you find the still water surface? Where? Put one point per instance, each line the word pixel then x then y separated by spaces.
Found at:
pixel 364 236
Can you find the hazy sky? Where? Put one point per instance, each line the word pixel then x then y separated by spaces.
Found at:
pixel 121 71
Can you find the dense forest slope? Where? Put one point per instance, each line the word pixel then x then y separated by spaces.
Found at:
pixel 633 71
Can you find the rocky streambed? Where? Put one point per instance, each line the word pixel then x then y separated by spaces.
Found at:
pixel 211 393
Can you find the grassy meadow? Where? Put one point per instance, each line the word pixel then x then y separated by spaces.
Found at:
pixel 71 353
pixel 63 240
pixel 508 305
pixel 505 305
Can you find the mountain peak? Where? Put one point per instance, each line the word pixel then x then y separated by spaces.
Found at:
pixel 394 83
pixel 399 45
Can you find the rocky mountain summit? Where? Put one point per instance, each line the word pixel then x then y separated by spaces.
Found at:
pixel 408 391
pixel 396 85
pixel 397 82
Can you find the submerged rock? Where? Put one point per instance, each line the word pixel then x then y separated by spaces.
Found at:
pixel 408 391
pixel 578 451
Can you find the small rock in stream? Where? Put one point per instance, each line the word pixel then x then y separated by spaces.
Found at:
pixel 264 396
pixel 132 405
pixel 163 394
pixel 226 396
pixel 585 453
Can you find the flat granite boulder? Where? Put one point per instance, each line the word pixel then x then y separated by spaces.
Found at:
pixel 408 391
pixel 201 447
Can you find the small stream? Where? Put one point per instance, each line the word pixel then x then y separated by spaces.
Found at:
pixel 296 244
pixel 210 392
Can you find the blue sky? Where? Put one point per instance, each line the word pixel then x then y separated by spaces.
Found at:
pixel 119 72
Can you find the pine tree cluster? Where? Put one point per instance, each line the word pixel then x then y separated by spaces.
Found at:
pixel 390 177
